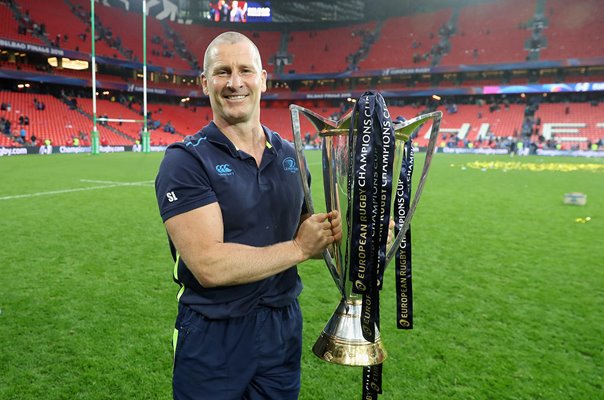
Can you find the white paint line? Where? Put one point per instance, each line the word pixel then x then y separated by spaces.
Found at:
pixel 142 183
pixel 108 185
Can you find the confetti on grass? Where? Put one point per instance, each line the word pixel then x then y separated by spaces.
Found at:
pixel 513 165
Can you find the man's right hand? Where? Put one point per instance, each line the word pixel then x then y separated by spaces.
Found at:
pixel 315 234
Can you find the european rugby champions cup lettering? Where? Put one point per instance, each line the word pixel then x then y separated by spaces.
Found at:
pixel 367 169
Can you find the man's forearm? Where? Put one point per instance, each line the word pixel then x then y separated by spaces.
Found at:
pixel 228 264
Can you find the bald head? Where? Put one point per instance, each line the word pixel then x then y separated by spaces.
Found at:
pixel 229 38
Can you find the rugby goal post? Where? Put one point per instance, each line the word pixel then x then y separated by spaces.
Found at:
pixel 94 135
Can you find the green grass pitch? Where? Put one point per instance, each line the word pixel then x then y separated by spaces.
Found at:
pixel 508 284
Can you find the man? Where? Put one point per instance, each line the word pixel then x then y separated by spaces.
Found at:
pixel 233 207
pixel 237 14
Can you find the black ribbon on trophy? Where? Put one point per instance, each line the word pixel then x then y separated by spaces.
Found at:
pixel 370 183
pixel 404 287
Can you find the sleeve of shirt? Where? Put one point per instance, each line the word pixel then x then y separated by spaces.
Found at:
pixel 181 184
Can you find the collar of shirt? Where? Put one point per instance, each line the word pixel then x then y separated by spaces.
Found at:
pixel 215 136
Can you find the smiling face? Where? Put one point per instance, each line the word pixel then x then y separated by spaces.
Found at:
pixel 234 80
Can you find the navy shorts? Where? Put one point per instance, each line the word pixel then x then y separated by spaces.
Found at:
pixel 252 357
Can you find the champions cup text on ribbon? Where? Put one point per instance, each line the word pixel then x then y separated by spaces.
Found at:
pixel 370 183
pixel 404 288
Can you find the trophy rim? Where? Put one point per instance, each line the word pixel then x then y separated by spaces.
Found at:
pixel 352 353
pixel 342 342
pixel 332 127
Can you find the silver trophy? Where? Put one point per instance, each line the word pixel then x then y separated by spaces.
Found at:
pixel 342 341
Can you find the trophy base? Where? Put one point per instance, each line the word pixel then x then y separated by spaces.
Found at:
pixel 342 341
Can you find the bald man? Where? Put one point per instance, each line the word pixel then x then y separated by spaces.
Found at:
pixel 237 225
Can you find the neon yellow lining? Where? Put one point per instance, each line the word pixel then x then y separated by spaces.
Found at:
pixel 182 287
pixel 174 341
pixel 176 266
pixel 180 292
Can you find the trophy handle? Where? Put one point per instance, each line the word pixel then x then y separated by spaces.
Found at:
pixel 320 124
pixel 410 126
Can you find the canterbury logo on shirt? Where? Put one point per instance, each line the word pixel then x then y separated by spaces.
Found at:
pixel 224 169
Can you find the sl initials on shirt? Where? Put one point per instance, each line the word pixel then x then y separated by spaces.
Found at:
pixel 171 197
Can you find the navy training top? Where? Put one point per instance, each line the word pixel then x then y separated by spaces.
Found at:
pixel 260 206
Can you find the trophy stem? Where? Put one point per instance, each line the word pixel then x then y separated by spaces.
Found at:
pixel 342 341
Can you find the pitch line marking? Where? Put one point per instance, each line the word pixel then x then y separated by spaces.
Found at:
pixel 142 183
pixel 109 184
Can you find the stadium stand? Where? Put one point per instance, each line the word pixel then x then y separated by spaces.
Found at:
pixel 56 122
pixel 574 29
pixel 112 109
pixel 185 120
pixel 197 38
pixel 414 37
pixel 459 40
pixel 469 121
pixel 126 28
pixel 573 124
pixel 491 33
pixel 10 28
pixel 481 120
pixel 62 28
pixel 7 141
pixel 326 50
